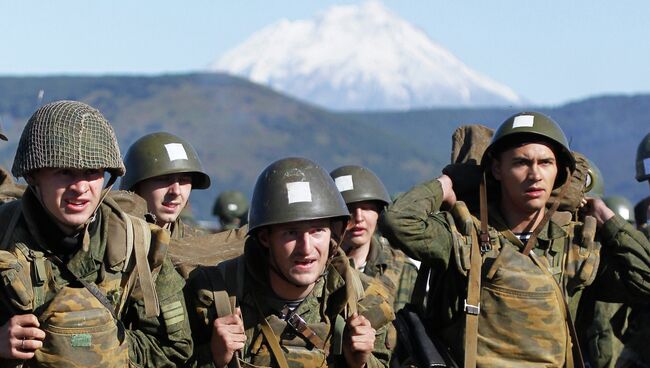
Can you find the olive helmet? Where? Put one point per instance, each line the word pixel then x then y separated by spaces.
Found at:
pixel 358 184
pixel 159 154
pixel 621 206
pixel 594 183
pixel 295 189
pixel 643 159
pixel 67 134
pixel 230 205
pixel 531 125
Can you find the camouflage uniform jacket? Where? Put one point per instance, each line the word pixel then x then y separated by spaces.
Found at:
pixel 393 269
pixel 414 224
pixel 151 341
pixel 180 229
pixel 320 310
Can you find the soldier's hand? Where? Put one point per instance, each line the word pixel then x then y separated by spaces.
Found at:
pixel 228 336
pixel 597 208
pixel 20 337
pixel 448 194
pixel 359 341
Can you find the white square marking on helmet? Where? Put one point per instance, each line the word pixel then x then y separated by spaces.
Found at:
pixel 176 151
pixel 523 121
pixel 298 192
pixel 646 166
pixel 344 183
pixel 232 207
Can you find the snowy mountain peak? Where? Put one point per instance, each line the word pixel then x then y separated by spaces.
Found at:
pixel 360 57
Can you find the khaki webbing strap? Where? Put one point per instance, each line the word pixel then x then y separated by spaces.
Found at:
pixel 574 354
pixel 354 290
pixel 530 244
pixel 270 337
pixel 129 240
pixel 224 305
pixel 142 235
pixel 473 302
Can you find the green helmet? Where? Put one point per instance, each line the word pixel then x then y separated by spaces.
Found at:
pixel 358 184
pixel 643 159
pixel 594 184
pixel 294 189
pixel 159 154
pixel 231 205
pixel 67 134
pixel 621 206
pixel 533 125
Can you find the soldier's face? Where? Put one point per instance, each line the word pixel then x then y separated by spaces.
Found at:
pixel 166 195
pixel 527 174
pixel 69 195
pixel 364 223
pixel 299 251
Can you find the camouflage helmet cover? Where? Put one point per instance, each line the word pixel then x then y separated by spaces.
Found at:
pixel 67 134
pixel 230 204
pixel 358 184
pixel 537 126
pixel 643 159
pixel 294 189
pixel 159 154
pixel 594 184
pixel 621 206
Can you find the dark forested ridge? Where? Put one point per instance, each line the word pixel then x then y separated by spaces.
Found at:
pixel 239 127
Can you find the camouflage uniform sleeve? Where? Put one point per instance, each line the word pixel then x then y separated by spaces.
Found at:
pixel 381 353
pixel 406 284
pixel 412 224
pixel 163 341
pixel 625 261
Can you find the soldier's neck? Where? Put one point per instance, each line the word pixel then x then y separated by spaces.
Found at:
pixel 521 221
pixel 286 290
pixel 359 254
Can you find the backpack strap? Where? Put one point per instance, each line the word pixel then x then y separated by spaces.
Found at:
pixel 138 243
pixel 270 337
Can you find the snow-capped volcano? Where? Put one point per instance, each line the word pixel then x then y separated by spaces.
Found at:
pixel 360 57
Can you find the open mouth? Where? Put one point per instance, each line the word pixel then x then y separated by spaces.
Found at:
pixel 303 264
pixel 76 205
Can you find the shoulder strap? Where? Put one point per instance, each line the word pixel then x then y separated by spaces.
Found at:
pixel 138 242
pixel 270 337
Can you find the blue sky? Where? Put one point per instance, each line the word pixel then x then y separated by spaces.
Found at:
pixel 550 52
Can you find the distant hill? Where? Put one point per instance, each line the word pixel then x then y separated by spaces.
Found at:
pixel 239 127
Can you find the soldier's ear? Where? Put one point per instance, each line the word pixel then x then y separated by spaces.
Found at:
pixel 496 169
pixel 263 237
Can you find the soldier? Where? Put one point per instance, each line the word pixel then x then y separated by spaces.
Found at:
pixel 366 198
pixel 300 302
pixel 505 289
pixel 163 169
pixel 9 190
pixel 232 209
pixel 635 352
pixel 80 288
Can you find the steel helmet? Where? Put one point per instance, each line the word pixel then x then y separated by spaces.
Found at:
pixel 532 125
pixel 67 134
pixel 159 154
pixel 294 189
pixel 594 185
pixel 621 206
pixel 358 184
pixel 230 205
pixel 643 159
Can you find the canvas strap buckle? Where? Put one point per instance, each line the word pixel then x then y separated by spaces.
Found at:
pixel 472 309
pixel 300 325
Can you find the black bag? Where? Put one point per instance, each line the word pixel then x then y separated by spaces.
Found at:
pixel 415 347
